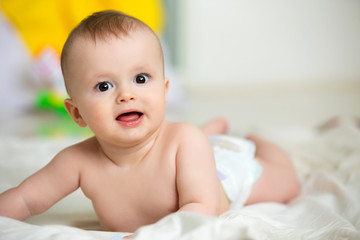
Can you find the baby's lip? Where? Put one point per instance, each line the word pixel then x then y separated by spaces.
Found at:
pixel 130 118
pixel 129 115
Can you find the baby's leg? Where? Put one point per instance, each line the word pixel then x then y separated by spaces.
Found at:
pixel 278 182
pixel 215 126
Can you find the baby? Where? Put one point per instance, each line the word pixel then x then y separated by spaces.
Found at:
pixel 138 167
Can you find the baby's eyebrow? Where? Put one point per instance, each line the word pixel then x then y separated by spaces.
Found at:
pixel 96 77
pixel 140 67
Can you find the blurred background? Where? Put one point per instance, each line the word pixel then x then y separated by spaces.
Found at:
pixel 263 63
pixel 278 67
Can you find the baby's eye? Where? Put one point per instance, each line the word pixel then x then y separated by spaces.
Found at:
pixel 103 86
pixel 141 79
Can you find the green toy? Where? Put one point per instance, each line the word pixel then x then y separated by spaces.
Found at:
pixel 59 124
pixel 50 100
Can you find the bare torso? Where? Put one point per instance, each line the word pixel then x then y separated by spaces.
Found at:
pixel 126 198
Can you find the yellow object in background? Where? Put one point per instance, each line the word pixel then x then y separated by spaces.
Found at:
pixel 44 23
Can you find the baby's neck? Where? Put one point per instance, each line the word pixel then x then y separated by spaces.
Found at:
pixel 129 156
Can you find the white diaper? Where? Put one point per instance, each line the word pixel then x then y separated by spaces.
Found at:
pixel 236 167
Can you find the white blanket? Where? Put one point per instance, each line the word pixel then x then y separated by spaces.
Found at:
pixel 328 165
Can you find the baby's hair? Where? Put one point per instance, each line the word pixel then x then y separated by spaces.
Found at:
pixel 101 26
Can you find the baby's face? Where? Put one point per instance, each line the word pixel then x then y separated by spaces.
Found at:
pixel 118 86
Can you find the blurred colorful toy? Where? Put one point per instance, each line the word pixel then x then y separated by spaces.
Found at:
pixel 47 72
pixel 50 100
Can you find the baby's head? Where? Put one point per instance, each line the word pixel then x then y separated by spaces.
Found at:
pixel 113 69
pixel 102 26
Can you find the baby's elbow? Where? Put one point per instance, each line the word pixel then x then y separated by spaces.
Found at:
pixel 13 205
pixel 213 208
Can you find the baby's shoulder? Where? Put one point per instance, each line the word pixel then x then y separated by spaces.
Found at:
pixel 78 151
pixel 181 127
pixel 182 130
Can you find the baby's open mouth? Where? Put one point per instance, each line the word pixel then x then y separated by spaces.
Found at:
pixel 129 116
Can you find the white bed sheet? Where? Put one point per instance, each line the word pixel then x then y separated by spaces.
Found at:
pixel 328 207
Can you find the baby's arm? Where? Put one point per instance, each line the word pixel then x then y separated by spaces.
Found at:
pixel 197 182
pixel 43 189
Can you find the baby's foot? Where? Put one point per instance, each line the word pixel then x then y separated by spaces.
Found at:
pixel 216 126
pixel 329 124
pixel 338 121
pixel 357 122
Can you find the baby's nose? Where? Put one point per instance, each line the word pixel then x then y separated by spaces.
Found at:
pixel 126 96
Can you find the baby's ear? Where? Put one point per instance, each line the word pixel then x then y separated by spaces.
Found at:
pixel 166 82
pixel 166 85
pixel 74 112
